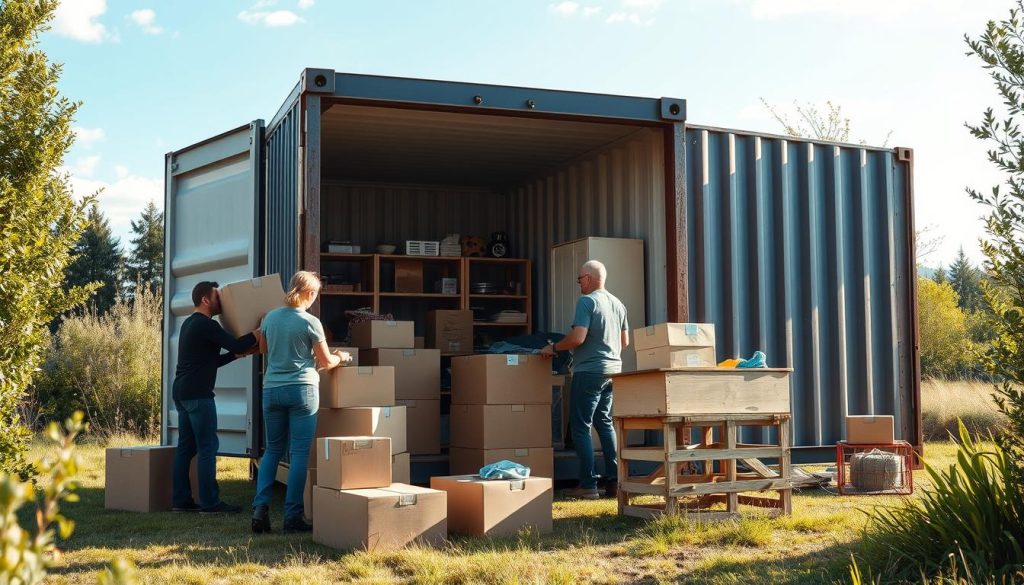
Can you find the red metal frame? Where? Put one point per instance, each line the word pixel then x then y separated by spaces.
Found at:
pixel 904 484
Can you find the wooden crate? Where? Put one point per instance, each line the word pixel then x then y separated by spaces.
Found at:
pixel 699 391
pixel 686 490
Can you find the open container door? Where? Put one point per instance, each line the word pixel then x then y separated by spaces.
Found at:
pixel 213 206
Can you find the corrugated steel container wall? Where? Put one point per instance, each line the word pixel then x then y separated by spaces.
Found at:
pixel 616 192
pixel 282 193
pixel 802 250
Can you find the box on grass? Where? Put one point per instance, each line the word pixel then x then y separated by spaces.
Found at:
pixel 357 386
pixel 496 507
pixel 386 334
pixel 540 460
pixel 501 379
pixel 379 519
pixel 345 463
pixel 870 430
pixel 138 479
pixel 674 334
pixel 423 418
pixel 500 426
pixel 243 304
pixel 417 371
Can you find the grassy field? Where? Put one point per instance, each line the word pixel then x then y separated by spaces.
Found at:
pixel 590 544
pixel 943 401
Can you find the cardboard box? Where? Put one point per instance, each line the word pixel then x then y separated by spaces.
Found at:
pixel 446 286
pixel 419 342
pixel 541 461
pixel 347 463
pixel 352 351
pixel 408 276
pixel 870 430
pixel 138 479
pixel 501 379
pixel 243 304
pixel 358 386
pixel 500 426
pixel 307 494
pixel 400 469
pixel 669 357
pixel 423 418
pixel 363 421
pixel 450 331
pixel 388 334
pixel 674 334
pixel 496 507
pixel 701 391
pixel 417 371
pixel 379 519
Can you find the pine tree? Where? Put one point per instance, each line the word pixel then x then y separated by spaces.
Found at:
pixel 966 281
pixel 40 221
pixel 146 260
pixel 98 259
pixel 940 276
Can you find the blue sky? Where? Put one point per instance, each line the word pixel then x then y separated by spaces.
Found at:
pixel 157 75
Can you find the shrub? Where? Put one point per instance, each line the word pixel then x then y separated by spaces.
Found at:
pixel 943 330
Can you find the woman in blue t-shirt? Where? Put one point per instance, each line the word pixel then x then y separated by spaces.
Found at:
pixel 294 345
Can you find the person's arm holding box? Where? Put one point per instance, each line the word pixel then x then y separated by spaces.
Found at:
pixel 214 332
pixel 325 358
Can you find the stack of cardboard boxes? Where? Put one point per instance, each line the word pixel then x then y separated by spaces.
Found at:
pixel 675 345
pixel 501 409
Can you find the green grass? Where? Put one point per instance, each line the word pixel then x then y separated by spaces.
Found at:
pixel 590 544
pixel 943 401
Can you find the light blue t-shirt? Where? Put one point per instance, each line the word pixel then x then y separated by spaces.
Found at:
pixel 604 316
pixel 291 334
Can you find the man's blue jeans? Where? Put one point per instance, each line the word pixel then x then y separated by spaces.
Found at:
pixel 591 405
pixel 289 415
pixel 197 437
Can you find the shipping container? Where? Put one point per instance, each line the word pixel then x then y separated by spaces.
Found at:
pixel 803 249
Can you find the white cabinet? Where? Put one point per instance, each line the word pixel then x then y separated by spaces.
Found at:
pixel 624 260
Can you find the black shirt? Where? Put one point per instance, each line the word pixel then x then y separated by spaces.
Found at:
pixel 199 356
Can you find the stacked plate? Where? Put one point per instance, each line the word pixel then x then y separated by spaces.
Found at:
pixel 482 288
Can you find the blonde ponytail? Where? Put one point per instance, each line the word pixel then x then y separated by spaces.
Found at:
pixel 302 282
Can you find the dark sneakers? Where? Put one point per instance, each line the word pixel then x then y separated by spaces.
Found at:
pixel 189 507
pixel 611 488
pixel 221 508
pixel 296 525
pixel 260 520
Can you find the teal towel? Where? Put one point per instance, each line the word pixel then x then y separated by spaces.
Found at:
pixel 504 469
pixel 756 361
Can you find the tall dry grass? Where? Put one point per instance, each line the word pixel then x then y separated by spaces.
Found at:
pixel 943 401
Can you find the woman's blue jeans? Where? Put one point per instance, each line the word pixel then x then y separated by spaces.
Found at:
pixel 289 416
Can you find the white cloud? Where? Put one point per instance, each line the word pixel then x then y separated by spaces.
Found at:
pixel 121 171
pixel 88 136
pixel 630 17
pixel 642 4
pixel 277 18
pixel 566 8
pixel 86 166
pixel 306 4
pixel 146 20
pixel 79 20
pixel 591 11
pixel 122 200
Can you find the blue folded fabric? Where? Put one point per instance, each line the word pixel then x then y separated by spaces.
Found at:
pixel 504 469
pixel 756 361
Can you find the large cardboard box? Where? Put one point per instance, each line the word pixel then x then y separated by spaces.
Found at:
pixel 541 461
pixel 243 304
pixel 870 430
pixel 424 426
pixel 352 351
pixel 358 386
pixel 451 332
pixel 347 463
pixel 670 357
pixel 501 379
pixel 400 468
pixel 500 426
pixel 358 421
pixel 674 334
pixel 417 371
pixel 138 479
pixel 307 494
pixel 496 507
pixel 379 519
pixel 701 391
pixel 373 334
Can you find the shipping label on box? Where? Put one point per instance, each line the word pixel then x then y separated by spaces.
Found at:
pixel 373 421
pixel 417 371
pixel 870 430
pixel 482 507
pixel 501 379
pixel 540 460
pixel 670 357
pixel 424 426
pixel 358 386
pixel 382 334
pixel 244 304
pixel 139 479
pixel 345 463
pixel 400 469
pixel 674 334
pixel 379 519
pixel 500 426
pixel 451 332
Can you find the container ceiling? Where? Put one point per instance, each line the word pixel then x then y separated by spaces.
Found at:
pixel 361 143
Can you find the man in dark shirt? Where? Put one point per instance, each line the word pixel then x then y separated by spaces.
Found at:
pixel 199 355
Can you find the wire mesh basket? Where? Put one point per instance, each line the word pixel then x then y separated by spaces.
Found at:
pixel 875 469
pixel 422 248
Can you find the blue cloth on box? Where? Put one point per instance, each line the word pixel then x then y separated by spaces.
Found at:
pixel 504 469
pixel 561 363
pixel 756 361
